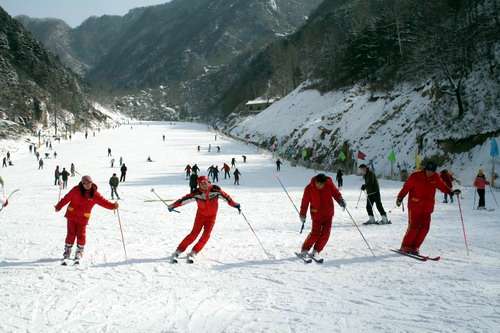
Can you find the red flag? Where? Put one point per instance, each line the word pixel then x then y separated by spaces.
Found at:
pixel 361 156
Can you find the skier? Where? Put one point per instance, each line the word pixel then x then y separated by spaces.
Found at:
pixel 193 182
pixel 372 195
pixel 207 197
pixel 55 154
pixel 199 148
pixel 278 165
pixel 72 169
pixel 123 170
pixel 227 170
pixel 209 148
pixel 210 171
pixel 86 134
pixel 233 162
pixel 215 174
pixel 31 148
pixel 218 149
pixel 244 158
pixel 57 175
pixel 64 176
pixel 4 163
pixel 109 152
pixel 163 137
pixel 195 169
pixel 318 194
pixel 149 159
pixel 112 162
pixel 421 186
pixel 113 183
pixel 40 164
pixel 480 184
pixel 81 199
pixel 121 161
pixel 340 179
pixel 237 175
pixel 188 171
pixel 448 179
pixel 8 155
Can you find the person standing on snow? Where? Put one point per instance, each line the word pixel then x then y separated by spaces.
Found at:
pixel 112 162
pixel 64 176
pixel 227 170
pixel 113 183
pixel 40 164
pixel 81 199
pixel 372 195
pixel 195 169
pixel 188 171
pixel 109 151
pixel 480 184
pixel 340 179
pixel 123 170
pixel 72 170
pixel 244 158
pixel 193 182
pixel 421 187
pixel 57 175
pixel 233 162
pixel 448 180
pixel 121 161
pixel 237 175
pixel 278 165
pixel 207 197
pixel 215 174
pixel 318 195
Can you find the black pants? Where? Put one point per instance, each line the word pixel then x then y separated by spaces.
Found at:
pixel 122 177
pixel 374 199
pixel 113 192
pixel 236 181
pixel 340 181
pixel 481 193
pixel 56 181
pixel 227 174
pixel 193 188
pixel 65 183
pixel 446 197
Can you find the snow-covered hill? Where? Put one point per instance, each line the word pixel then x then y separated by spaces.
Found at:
pixel 233 287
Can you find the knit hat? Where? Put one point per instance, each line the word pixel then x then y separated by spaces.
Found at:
pixel 202 179
pixel 87 179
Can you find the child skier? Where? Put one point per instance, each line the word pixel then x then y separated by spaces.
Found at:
pixel 207 197
pixel 480 184
pixel 318 194
pixel 81 199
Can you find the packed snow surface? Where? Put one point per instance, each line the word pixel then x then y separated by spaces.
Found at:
pixel 233 286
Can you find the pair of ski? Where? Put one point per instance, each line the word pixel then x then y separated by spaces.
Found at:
pixel 377 222
pixel 70 262
pixel 176 261
pixel 416 256
pixel 309 259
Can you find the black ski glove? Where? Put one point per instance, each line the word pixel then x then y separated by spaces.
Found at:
pixel 399 202
pixel 170 209
pixel 456 192
pixel 363 187
pixel 238 207
pixel 342 203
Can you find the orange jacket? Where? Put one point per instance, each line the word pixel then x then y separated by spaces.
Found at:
pixel 480 183
pixel 422 190
pixel 320 200
pixel 80 205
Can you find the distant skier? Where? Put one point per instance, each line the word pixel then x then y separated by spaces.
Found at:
pixel 210 171
pixel 207 197
pixel 8 155
pixel 233 162
pixel 81 199
pixel 218 149
pixel 215 174
pixel 193 182
pixel 195 169
pixel 209 148
pixel 163 137
pixel 340 178
pixel 72 169
pixel 227 170
pixel 64 177
pixel 421 186
pixel 372 195
pixel 4 162
pixel 40 164
pixel 112 161
pixel 199 148
pixel 448 179
pixel 188 171
pixel 113 183
pixel 278 165
pixel 480 184
pixel 318 195
pixel 121 161
pixel 149 159
pixel 86 134
pixel 30 148
pixel 109 152
pixel 123 170
pixel 244 158
pixel 55 154
pixel 57 175
pixel 237 175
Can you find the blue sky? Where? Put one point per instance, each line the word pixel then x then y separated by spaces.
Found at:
pixel 73 12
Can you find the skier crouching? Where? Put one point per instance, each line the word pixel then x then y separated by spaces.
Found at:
pixel 207 197
pixel 81 199
pixel 318 194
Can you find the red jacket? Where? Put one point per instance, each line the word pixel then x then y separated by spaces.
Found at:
pixel 208 202
pixel 480 183
pixel 447 179
pixel 422 190
pixel 80 205
pixel 320 200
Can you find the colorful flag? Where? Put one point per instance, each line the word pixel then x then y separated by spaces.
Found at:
pixel 392 156
pixel 361 155
pixel 418 162
pixel 342 156
pixel 494 148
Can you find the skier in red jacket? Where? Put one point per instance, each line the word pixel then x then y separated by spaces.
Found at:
pixel 421 186
pixel 207 197
pixel 448 179
pixel 318 194
pixel 81 199
pixel 480 184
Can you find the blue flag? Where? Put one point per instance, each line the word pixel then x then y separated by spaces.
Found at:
pixel 494 148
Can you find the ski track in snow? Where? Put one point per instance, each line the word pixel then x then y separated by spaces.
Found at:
pixel 232 287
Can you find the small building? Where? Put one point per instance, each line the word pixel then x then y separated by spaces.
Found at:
pixel 257 105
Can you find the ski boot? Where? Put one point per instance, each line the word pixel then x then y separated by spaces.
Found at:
pixel 314 255
pixel 66 254
pixel 78 254
pixel 371 220
pixel 385 220
pixel 174 256
pixel 304 256
pixel 190 257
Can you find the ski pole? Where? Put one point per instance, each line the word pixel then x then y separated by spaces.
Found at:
pixel 163 201
pixel 258 240
pixel 359 198
pixel 289 197
pixel 463 225
pixel 359 230
pixel 474 207
pixel 121 231
pixel 493 195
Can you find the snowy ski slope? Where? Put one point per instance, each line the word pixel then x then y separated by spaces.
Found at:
pixel 232 287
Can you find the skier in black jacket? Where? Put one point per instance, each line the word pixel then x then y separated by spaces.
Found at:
pixel 373 195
